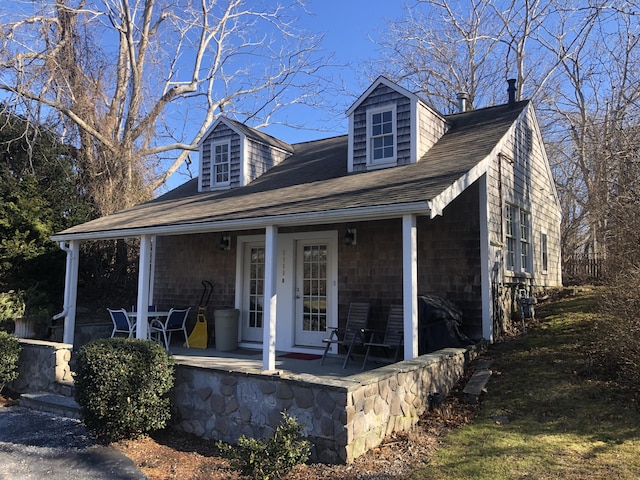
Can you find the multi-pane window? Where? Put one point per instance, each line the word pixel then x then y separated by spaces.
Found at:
pixel 518 239
pixel 382 142
pixel 544 252
pixel 511 239
pixel 220 164
pixel 524 241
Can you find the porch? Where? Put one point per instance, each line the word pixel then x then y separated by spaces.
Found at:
pixel 223 395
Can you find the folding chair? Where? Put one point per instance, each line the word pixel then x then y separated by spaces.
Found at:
pixel 391 338
pixel 121 322
pixel 175 322
pixel 352 333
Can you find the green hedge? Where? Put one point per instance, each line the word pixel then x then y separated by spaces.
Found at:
pixel 122 386
pixel 9 355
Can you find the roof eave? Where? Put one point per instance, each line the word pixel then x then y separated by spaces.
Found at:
pixel 355 214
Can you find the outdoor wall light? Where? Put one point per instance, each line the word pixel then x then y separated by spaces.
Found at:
pixel 225 243
pixel 350 236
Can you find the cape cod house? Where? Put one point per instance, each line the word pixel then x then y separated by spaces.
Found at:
pixel 409 202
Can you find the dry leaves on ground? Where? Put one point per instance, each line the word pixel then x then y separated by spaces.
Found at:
pixel 169 455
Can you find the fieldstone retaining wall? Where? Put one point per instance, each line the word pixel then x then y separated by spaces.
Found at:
pixel 343 417
pixel 43 367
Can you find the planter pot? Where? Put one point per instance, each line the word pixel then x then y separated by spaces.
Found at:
pixel 226 328
pixel 25 328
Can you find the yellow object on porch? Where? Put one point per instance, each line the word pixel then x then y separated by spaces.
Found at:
pixel 198 336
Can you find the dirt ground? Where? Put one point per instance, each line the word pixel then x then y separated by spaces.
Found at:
pixel 169 454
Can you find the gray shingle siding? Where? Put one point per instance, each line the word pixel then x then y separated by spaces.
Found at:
pixel 431 128
pixel 261 158
pixel 380 97
pixel 220 134
pixel 521 177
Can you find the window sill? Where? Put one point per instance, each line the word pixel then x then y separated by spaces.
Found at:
pixel 380 165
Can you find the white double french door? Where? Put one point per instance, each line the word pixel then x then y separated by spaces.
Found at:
pixel 306 289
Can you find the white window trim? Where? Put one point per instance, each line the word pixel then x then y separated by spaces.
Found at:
pixel 525 243
pixel 544 252
pixel 518 267
pixel 385 162
pixel 214 144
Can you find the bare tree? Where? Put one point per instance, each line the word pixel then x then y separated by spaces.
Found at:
pixel 577 61
pixel 139 83
pixel 441 48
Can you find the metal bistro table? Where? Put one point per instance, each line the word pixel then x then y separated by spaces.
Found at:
pixel 151 317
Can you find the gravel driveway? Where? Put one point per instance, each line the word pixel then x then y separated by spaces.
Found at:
pixel 37 445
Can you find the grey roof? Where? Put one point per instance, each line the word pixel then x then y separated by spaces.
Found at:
pixel 313 186
pixel 258 136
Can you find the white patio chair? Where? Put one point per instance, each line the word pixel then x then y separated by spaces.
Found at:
pixel 175 322
pixel 121 322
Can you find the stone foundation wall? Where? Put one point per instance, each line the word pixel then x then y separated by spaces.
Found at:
pixel 43 367
pixel 343 417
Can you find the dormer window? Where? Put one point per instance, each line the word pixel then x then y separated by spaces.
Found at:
pixel 381 132
pixel 221 162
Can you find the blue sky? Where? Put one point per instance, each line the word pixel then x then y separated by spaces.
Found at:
pixel 347 26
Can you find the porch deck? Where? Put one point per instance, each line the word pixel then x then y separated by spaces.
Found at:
pixel 248 360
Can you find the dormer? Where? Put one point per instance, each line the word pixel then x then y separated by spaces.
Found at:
pixel 232 155
pixel 389 126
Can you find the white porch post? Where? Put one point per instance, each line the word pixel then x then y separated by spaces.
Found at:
pixel 270 299
pixel 410 286
pixel 144 269
pixel 70 290
pixel 485 262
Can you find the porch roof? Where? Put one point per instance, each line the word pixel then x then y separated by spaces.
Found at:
pixel 313 186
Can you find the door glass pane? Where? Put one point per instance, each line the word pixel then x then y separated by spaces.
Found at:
pixel 256 290
pixel 314 288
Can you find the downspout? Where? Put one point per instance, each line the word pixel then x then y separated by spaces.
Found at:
pixel 70 291
pixel 67 275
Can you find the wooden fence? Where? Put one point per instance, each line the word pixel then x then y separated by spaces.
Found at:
pixel 582 268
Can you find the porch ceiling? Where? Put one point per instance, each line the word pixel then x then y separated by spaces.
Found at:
pixel 313 187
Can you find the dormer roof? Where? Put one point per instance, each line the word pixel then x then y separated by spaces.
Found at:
pixel 250 133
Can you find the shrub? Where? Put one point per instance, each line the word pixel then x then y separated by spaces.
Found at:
pixel 272 458
pixel 122 386
pixel 9 354
pixel 11 307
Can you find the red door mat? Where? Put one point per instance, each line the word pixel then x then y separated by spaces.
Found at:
pixel 301 356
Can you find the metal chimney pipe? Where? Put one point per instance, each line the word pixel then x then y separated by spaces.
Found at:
pixel 511 90
pixel 463 99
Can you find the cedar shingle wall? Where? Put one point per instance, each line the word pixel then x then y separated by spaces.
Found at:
pixel 221 133
pixel 382 96
pixel 430 128
pixel 524 180
pixel 182 262
pixel 261 158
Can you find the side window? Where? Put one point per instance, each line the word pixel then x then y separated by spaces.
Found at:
pixel 381 136
pixel 524 241
pixel 544 252
pixel 517 223
pixel 511 239
pixel 220 164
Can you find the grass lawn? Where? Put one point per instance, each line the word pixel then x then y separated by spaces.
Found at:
pixel 546 414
